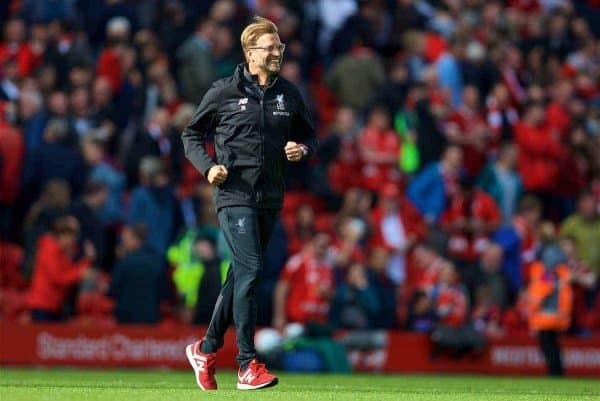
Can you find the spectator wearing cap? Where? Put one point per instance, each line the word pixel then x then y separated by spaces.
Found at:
pixel 54 272
pixel 139 279
pixel 502 182
pixel 432 187
pixel 397 227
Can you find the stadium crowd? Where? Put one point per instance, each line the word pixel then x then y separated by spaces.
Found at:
pixel 458 138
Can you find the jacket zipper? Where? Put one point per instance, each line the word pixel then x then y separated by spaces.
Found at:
pixel 262 142
pixel 262 135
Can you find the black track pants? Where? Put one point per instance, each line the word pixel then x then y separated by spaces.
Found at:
pixel 247 231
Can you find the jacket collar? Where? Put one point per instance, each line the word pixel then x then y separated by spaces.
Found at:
pixel 243 76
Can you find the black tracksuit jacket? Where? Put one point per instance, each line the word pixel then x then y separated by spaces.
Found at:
pixel 251 127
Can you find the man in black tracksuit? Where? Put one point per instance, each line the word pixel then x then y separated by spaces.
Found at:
pixel 258 120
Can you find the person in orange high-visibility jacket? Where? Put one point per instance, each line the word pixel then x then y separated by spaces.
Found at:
pixel 550 301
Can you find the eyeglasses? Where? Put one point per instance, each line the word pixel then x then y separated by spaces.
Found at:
pixel 270 49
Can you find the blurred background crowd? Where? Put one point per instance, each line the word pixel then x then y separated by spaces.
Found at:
pixel 458 138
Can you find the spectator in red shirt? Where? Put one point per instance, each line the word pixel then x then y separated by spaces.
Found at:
pixel 338 153
pixel 54 272
pixel 466 128
pixel 379 148
pixel 453 332
pixel 397 226
pixel 16 47
pixel 450 303
pixel 346 247
pixel 469 220
pixel 306 285
pixel 12 149
pixel 557 113
pixel 486 315
pixel 539 151
pixel 425 268
pixel 109 61
pixel 302 229
pixel 574 169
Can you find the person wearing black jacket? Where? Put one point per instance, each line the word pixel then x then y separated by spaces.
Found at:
pixel 259 122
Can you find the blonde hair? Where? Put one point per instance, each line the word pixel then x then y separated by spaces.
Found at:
pixel 255 30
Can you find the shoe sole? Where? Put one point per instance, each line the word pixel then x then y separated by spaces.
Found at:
pixel 190 356
pixel 272 383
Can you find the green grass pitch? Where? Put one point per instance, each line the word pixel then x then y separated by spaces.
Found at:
pixel 118 385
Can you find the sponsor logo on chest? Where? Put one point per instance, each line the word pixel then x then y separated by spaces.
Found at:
pixel 280 106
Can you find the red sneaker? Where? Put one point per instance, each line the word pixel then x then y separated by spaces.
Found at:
pixel 255 376
pixel 203 365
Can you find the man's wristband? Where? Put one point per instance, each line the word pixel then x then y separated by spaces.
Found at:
pixel 304 150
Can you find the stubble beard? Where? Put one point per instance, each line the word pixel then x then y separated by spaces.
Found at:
pixel 272 65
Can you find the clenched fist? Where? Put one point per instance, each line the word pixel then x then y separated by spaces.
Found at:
pixel 217 174
pixel 293 151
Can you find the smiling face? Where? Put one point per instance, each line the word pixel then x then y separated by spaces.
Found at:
pixel 265 55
